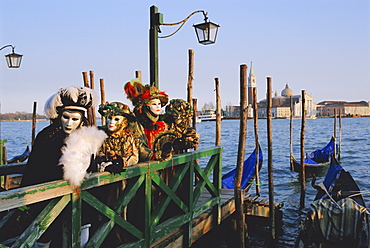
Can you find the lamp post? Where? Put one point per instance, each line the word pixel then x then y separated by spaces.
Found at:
pixel 12 59
pixel 206 33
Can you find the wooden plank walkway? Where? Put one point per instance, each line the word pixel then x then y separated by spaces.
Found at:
pixel 202 224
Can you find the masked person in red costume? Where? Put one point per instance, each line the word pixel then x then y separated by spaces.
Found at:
pixel 148 102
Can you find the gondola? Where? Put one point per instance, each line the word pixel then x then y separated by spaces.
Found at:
pixel 249 171
pixel 317 159
pixel 338 215
pixel 20 158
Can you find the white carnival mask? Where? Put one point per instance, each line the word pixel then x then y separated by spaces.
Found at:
pixel 116 122
pixel 70 121
pixel 155 106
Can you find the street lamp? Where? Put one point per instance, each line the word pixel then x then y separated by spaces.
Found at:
pixel 206 33
pixel 12 59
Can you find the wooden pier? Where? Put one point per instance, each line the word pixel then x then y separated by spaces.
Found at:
pixel 195 190
pixel 253 206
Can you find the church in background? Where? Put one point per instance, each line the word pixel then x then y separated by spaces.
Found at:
pixel 281 104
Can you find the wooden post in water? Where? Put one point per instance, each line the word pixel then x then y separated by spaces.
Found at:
pixel 335 132
pixel 138 75
pixel 269 162
pixel 190 84
pixel 33 123
pixel 190 77
pixel 92 109
pixel 102 98
pixel 218 113
pixel 340 132
pixel 194 123
pixel 255 117
pixel 86 84
pixel 291 133
pixel 303 167
pixel 238 192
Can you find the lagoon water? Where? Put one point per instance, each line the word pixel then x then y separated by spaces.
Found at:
pixel 355 158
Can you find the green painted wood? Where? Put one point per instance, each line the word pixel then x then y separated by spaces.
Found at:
pixel 76 220
pixel 145 174
pixel 148 208
pixel 169 226
pixel 174 185
pixel 42 222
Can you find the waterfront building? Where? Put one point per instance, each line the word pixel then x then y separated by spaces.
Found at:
pixel 326 108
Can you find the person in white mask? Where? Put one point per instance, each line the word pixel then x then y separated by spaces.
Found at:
pixel 67 112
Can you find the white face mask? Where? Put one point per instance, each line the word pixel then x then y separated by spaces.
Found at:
pixel 116 122
pixel 155 106
pixel 70 121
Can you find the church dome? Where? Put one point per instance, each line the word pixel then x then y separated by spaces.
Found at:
pixel 287 91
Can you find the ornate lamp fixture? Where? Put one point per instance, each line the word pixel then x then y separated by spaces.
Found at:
pixel 206 33
pixel 12 59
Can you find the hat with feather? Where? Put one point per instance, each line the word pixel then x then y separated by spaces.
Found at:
pixel 71 98
pixel 140 94
pixel 116 108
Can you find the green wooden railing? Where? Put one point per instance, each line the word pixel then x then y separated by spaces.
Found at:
pixel 193 174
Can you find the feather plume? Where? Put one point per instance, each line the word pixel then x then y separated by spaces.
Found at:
pixel 76 154
pixel 74 94
pixel 50 107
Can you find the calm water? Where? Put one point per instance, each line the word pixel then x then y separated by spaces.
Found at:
pixel 355 157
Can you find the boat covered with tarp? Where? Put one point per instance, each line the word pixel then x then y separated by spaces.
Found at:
pixel 249 171
pixel 20 158
pixel 317 159
pixel 338 216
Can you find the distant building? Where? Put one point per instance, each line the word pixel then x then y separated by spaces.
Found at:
pixel 252 84
pixel 326 108
pixel 281 105
pixel 232 111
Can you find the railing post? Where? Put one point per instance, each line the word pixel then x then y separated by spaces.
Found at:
pixel 75 220
pixel 188 232
pixel 148 207
pixel 217 183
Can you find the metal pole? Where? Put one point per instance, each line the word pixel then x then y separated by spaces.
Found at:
pixel 153 46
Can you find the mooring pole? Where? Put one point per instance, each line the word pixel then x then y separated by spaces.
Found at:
pixel 218 113
pixel 340 133
pixel 92 109
pixel 86 84
pixel 102 97
pixel 190 76
pixel 238 192
pixel 194 123
pixel 138 75
pixel 34 123
pixel 269 162
pixel 335 132
pixel 291 133
pixel 255 118
pixel 303 166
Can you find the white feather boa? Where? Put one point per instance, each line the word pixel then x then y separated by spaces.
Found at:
pixel 76 154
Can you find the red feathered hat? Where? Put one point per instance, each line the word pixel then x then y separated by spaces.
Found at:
pixel 142 94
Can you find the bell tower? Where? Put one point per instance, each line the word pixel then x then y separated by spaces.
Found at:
pixel 251 84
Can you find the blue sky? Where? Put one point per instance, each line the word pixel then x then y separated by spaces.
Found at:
pixel 320 46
